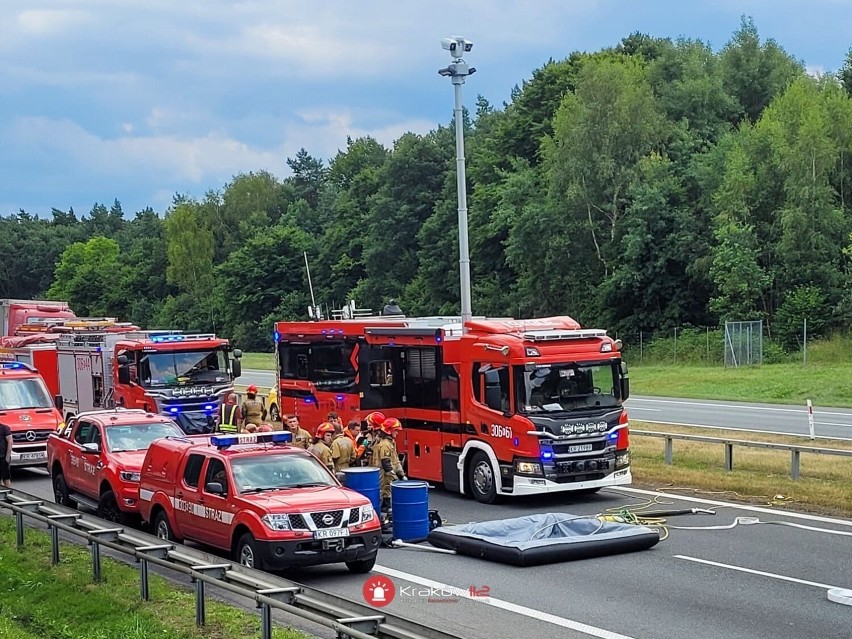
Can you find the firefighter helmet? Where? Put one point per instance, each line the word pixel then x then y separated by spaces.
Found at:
pixel 375 419
pixel 390 425
pixel 324 428
pixel 252 389
pixel 264 428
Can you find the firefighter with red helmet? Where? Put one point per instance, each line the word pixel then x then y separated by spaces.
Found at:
pixel 321 447
pixel 370 436
pixel 386 459
pixel 253 410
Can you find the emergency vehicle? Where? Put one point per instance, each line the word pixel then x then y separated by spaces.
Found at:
pixel 96 459
pixel 15 314
pixel 509 407
pixel 267 504
pixel 101 363
pixel 27 408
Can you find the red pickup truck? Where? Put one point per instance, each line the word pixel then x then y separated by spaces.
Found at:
pixel 95 460
pixel 268 505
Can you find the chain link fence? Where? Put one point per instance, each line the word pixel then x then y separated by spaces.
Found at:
pixel 743 343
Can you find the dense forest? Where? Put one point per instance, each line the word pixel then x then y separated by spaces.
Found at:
pixel 651 185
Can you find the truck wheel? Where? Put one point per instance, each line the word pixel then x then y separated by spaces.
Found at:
pixel 248 554
pixel 361 566
pixel 162 528
pixel 60 491
pixel 274 414
pixel 108 508
pixel 481 480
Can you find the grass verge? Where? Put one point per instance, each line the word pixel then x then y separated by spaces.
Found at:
pixel 41 601
pixel 825 385
pixel 259 361
pixel 759 476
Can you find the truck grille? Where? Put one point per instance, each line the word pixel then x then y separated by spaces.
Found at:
pixel 332 519
pixel 297 522
pixel 354 516
pixel 31 436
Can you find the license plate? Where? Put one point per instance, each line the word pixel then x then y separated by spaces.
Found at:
pixel 580 448
pixel 41 455
pixel 331 533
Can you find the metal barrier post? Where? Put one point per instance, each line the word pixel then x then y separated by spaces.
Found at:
pixel 200 608
pixel 161 552
pixel 286 595
pixel 368 625
pixel 54 537
pixel 794 464
pixel 669 450
pixel 729 456
pixel 19 520
pixel 112 533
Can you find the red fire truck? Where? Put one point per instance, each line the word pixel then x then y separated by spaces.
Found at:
pixel 100 363
pixel 15 314
pixel 509 407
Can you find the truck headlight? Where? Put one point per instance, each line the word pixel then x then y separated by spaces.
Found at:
pixel 129 476
pixel 622 460
pixel 367 513
pixel 277 522
pixel 528 468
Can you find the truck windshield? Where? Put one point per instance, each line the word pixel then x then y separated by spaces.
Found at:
pixel 278 472
pixel 24 393
pixel 138 436
pixel 544 388
pixel 175 368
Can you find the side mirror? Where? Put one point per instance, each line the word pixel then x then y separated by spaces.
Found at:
pixel 122 360
pixel 625 382
pixel 215 488
pixel 58 402
pixel 123 375
pixel 91 449
pixel 493 393
pixel 237 368
pixel 237 353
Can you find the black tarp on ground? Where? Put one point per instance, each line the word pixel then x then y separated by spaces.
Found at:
pixel 543 538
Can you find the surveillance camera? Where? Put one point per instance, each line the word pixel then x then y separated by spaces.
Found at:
pixel 456 45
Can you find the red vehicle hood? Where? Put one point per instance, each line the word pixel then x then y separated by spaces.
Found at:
pixel 307 499
pixel 130 460
pixel 24 419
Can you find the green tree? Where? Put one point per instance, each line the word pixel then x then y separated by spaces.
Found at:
pixel 85 277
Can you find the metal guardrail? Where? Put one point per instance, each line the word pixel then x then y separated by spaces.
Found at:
pixel 795 450
pixel 351 620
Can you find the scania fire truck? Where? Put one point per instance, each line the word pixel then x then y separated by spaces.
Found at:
pixel 507 407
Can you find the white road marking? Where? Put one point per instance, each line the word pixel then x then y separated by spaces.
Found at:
pixel 779 409
pixel 756 509
pixel 505 605
pixel 756 572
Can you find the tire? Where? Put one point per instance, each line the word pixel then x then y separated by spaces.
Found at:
pixel 274 413
pixel 247 553
pixel 60 491
pixel 362 566
pixel 162 529
pixel 481 479
pixel 108 509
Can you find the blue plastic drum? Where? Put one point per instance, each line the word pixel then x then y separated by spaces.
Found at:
pixel 364 480
pixel 410 507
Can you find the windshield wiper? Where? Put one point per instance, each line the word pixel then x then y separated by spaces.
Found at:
pixel 260 489
pixel 313 484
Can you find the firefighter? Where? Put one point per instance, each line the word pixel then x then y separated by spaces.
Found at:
pixel 352 432
pixel 229 415
pixel 253 410
pixel 397 427
pixel 301 437
pixel 369 436
pixel 321 447
pixel 383 458
pixel 342 450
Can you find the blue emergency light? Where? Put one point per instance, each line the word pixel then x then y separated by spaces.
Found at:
pixel 547 455
pixel 12 365
pixel 223 441
pixel 168 338
pixel 174 409
pixel 208 407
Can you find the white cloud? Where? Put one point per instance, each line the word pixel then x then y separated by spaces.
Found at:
pixel 814 70
pixel 49 22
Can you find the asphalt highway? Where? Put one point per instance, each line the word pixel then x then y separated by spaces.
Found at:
pixel 830 423
pixel 741 581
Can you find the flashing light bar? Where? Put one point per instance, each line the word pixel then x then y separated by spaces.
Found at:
pixel 167 338
pixel 224 441
pixel 13 365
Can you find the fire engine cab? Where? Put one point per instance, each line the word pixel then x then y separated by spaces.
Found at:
pixel 267 504
pixel 95 460
pixel 507 407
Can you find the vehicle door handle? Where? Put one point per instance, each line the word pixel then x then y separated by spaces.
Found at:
pixel 179 494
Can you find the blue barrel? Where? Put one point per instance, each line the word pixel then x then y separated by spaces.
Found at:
pixel 410 507
pixel 364 480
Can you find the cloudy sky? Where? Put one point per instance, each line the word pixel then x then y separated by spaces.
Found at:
pixel 136 101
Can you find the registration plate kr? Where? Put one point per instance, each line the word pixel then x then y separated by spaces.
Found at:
pixel 331 533
pixel 580 448
pixel 30 456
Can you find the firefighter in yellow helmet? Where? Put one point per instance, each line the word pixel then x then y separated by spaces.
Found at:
pixel 386 459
